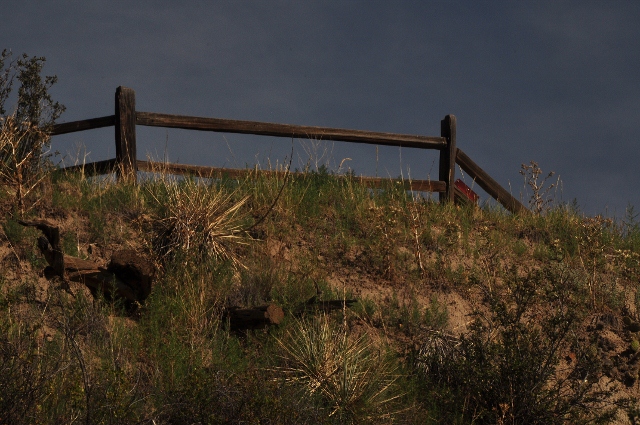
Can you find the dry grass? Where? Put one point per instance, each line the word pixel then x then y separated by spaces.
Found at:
pixel 22 169
pixel 198 218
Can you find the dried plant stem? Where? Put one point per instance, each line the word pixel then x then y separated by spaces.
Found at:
pixel 21 159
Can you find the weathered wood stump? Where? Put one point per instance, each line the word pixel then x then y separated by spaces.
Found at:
pixel 241 319
pixel 128 276
pixel 253 318
pixel 134 270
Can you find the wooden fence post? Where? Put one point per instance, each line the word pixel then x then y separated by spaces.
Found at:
pixel 126 165
pixel 448 157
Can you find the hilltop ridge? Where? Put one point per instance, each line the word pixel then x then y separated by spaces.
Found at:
pixel 464 313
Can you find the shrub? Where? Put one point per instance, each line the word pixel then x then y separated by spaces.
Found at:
pixel 27 369
pixel 24 134
pixel 197 219
pixel 541 200
pixel 507 368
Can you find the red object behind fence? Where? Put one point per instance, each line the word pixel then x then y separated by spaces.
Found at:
pixel 466 190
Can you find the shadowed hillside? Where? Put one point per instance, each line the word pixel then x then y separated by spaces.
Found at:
pixel 456 314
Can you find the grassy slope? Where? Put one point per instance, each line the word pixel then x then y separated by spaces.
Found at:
pixel 465 314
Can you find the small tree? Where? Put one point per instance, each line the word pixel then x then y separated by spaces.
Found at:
pixel 24 133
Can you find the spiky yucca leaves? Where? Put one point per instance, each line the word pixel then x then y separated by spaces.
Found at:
pixel 438 349
pixel 199 219
pixel 351 375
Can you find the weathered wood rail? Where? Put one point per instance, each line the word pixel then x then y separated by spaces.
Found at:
pixel 126 165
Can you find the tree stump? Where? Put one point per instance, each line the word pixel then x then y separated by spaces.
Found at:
pixel 128 276
pixel 253 318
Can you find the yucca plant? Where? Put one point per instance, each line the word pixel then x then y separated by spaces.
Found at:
pixel 438 350
pixel 197 218
pixel 352 376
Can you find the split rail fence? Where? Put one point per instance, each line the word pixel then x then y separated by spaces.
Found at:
pixel 127 165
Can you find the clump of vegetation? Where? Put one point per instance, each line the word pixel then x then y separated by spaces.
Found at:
pixel 541 197
pixel 539 289
pixel 24 131
pixel 508 367
pixel 197 218
pixel 353 378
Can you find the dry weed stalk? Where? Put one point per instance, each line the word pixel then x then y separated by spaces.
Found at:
pixel 22 169
pixel 318 153
pixel 416 230
pixel 540 200
pixel 201 309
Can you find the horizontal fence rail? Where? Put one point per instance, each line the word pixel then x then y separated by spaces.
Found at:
pixel 94 168
pixel 126 165
pixel 286 130
pixel 214 172
pixel 90 124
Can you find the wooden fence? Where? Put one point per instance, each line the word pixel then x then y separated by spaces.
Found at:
pixel 127 165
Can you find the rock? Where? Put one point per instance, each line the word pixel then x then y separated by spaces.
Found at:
pixel 607 364
pixel 631 325
pixel 609 320
pixel 134 270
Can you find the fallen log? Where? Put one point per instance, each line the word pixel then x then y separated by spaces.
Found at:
pixel 314 305
pixel 128 275
pixel 241 319
pixel 253 318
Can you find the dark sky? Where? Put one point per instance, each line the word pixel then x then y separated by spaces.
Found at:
pixel 557 82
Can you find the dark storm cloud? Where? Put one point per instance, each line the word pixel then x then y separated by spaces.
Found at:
pixel 554 82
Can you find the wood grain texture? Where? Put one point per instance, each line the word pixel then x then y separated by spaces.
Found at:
pixel 287 130
pixel 125 125
pixel 485 181
pixel 447 166
pixel 82 125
